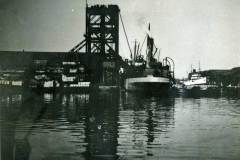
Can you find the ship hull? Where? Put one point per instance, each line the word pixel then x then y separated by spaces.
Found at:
pixel 148 84
pixel 202 90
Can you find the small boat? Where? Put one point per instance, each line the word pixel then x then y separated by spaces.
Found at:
pixel 198 83
pixel 149 74
pixel 195 81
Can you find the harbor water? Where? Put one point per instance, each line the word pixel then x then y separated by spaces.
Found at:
pixel 109 125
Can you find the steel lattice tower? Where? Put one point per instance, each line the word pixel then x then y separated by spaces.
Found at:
pixel 102 30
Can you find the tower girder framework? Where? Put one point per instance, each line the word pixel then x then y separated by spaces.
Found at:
pixel 102 30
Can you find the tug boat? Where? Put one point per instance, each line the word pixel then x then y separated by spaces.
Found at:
pixel 149 75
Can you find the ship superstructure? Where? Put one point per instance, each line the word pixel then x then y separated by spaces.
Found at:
pixel 149 74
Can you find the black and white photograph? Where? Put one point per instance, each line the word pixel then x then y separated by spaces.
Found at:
pixel 119 79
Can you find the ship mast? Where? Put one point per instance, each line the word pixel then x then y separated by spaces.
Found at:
pixel 150 43
pixel 135 51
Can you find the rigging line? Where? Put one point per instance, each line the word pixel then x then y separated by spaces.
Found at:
pixel 125 33
pixel 155 52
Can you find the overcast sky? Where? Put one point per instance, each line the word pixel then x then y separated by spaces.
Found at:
pixel 188 31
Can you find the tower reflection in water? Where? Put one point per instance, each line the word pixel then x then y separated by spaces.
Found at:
pixel 103 125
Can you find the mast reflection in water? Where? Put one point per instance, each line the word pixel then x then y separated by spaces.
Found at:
pixel 111 125
pixel 143 122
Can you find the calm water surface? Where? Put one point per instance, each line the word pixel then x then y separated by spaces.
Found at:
pixel 117 126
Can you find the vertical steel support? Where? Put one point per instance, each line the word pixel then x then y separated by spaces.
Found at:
pixel 102 40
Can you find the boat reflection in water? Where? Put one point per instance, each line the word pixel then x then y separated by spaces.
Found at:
pixel 113 125
pixel 143 124
pixel 86 126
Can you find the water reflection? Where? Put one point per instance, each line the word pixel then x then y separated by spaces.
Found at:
pixel 110 125
pixel 211 93
pixel 143 122
pixel 9 114
pixel 101 125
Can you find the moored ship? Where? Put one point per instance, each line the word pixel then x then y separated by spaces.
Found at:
pixel 149 74
pixel 197 83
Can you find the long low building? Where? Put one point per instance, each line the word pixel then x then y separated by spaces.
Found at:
pixel 229 77
pixel 58 66
pixel 16 60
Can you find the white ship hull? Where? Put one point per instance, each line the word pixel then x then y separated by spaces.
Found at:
pixel 150 83
pixel 199 81
pixel 202 87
